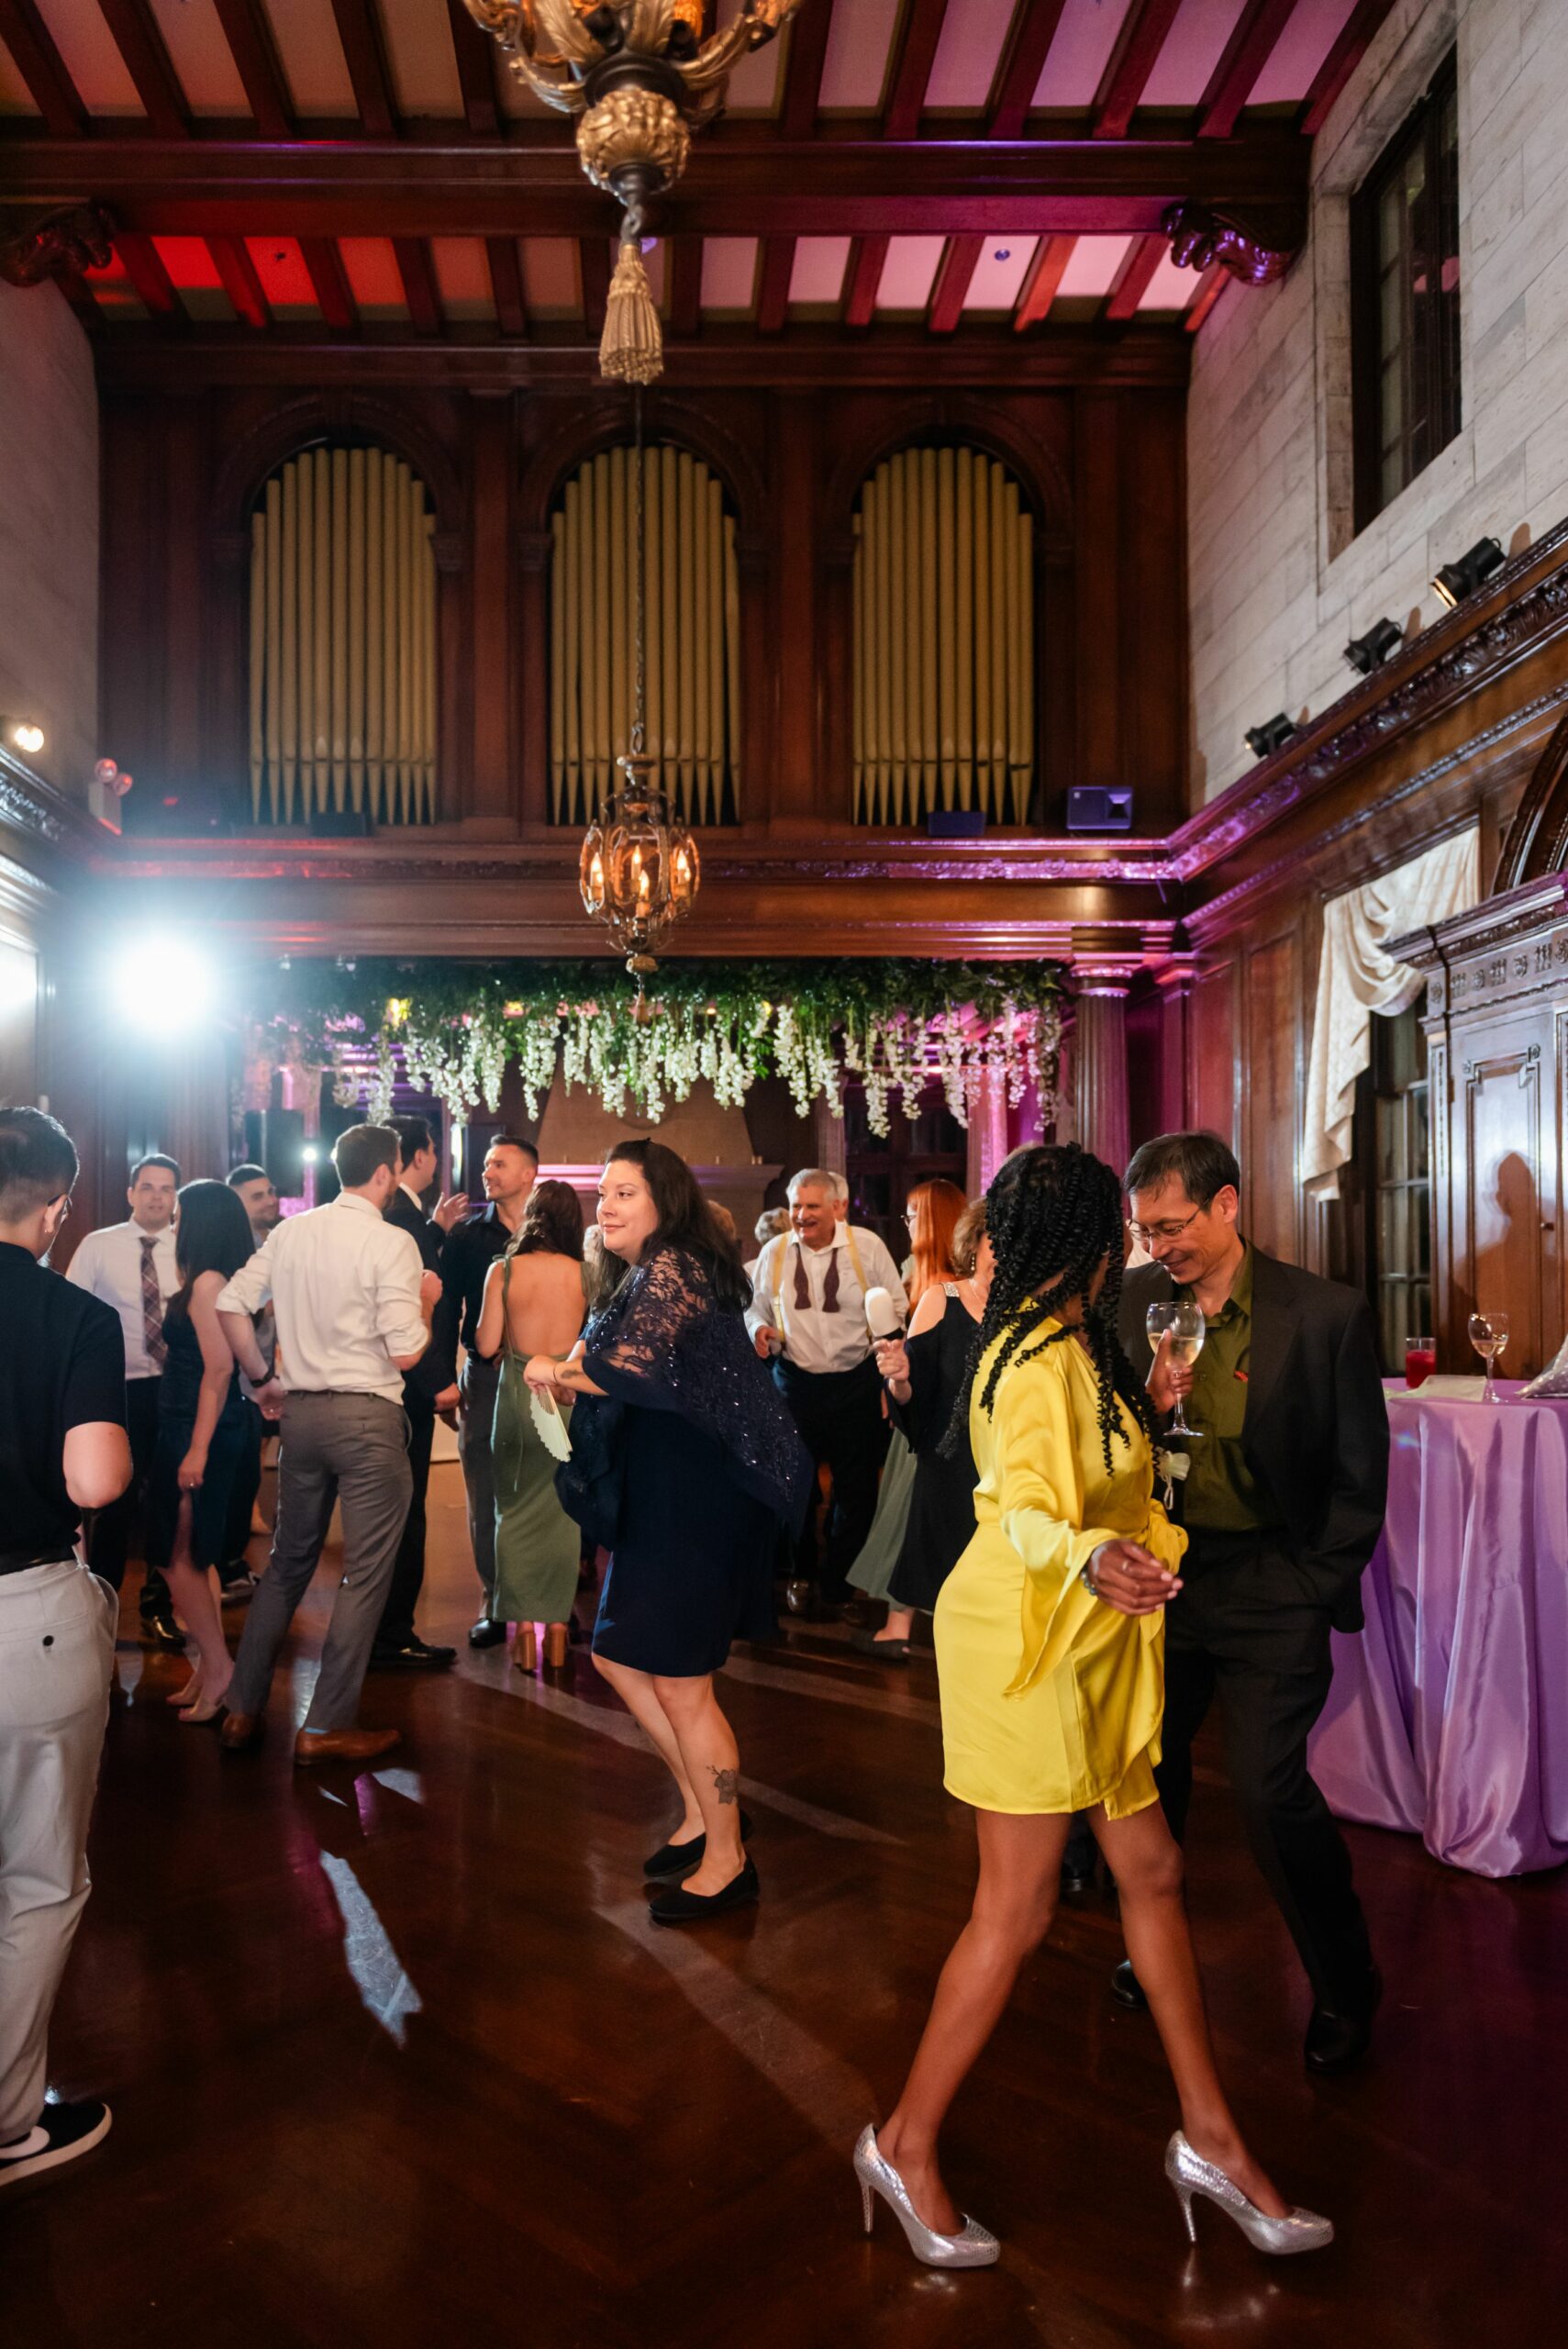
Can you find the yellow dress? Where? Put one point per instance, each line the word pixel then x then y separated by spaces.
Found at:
pixel 1051 1701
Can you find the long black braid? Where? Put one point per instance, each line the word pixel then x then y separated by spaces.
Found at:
pixel 1053 1215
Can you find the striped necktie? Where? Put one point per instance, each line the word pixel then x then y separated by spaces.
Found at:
pixel 152 1335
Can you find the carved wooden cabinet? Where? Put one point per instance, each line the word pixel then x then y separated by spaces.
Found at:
pixel 1496 1023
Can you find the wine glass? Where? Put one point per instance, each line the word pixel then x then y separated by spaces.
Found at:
pixel 1184 1319
pixel 1489 1335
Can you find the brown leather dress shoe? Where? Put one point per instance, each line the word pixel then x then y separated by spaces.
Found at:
pixel 314 1745
pixel 239 1732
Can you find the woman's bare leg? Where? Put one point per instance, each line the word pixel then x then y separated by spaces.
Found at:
pixel 1014 1901
pixel 900 1624
pixel 1147 1864
pixel 193 1595
pixel 713 1767
pixel 635 1690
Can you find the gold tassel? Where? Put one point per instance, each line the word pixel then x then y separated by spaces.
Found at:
pixel 631 349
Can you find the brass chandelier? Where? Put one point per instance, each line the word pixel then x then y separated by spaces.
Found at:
pixel 641 79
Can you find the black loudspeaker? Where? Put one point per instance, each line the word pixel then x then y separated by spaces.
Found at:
pixel 282 1151
pixel 1093 807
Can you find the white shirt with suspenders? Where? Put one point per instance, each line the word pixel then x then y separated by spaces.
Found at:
pixel 828 1333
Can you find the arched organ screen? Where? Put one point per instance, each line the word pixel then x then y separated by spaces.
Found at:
pixel 693 634
pixel 343 641
pixel 944 632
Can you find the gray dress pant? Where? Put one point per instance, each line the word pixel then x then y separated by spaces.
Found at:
pixel 351 1449
pixel 57 1652
pixel 476 1421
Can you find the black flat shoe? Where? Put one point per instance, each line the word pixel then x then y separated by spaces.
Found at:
pixel 486 1633
pixel 679 1859
pixel 679 1907
pixel 884 1651
pixel 413 1654
pixel 1337 2042
pixel 1126 1988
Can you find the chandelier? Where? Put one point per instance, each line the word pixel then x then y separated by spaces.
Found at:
pixel 638 870
pixel 641 79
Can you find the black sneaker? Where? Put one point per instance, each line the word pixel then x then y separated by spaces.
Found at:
pixel 63 2130
pixel 160 1629
pixel 237 1586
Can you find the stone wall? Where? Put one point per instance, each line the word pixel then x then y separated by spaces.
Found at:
pixel 49 532
pixel 1278 580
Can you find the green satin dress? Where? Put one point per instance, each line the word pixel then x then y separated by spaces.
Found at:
pixel 872 1570
pixel 536 1545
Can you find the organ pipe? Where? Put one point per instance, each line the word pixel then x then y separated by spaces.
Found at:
pixel 691 634
pixel 943 702
pixel 343 641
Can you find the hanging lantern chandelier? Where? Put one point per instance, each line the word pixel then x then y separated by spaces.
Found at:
pixel 639 78
pixel 638 870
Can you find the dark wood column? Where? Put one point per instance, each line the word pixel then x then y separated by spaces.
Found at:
pixel 1099 1071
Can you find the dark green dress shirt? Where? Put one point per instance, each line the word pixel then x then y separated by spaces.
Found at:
pixel 1221 1494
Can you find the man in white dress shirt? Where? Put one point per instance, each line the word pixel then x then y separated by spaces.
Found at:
pixel 131 1267
pixel 352 1312
pixel 808 1315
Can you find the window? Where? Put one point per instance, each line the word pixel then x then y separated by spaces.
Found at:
pixel 1405 298
pixel 1401 1238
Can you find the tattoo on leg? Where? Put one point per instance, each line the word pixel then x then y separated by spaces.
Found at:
pixel 726 1784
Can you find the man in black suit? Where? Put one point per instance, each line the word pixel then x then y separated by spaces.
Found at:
pixel 1282 1502
pixel 397 1645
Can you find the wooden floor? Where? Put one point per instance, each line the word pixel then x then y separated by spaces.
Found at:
pixel 399 2060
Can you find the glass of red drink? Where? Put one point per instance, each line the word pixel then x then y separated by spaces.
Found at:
pixel 1420 1361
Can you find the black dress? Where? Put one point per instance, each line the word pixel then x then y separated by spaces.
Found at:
pixel 941 1506
pixel 179 1392
pixel 708 1466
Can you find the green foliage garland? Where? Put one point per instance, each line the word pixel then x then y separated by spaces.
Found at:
pixel 456 1025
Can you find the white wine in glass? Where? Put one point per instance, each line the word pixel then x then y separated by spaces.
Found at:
pixel 1183 1321
pixel 1489 1335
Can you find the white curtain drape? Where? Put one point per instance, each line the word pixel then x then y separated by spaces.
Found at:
pixel 1357 977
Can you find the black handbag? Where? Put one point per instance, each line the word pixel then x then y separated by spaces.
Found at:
pixel 589 1486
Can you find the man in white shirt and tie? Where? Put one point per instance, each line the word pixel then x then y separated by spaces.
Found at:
pixel 353 1310
pixel 131 1267
pixel 808 1315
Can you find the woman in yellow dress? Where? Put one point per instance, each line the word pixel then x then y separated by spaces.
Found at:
pixel 1049 1648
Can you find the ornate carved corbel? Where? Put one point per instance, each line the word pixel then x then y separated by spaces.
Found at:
pixel 62 244
pixel 1200 235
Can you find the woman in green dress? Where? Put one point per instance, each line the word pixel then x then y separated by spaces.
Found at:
pixel 533 1304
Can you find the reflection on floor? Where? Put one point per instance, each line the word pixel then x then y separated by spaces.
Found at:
pixel 399 2059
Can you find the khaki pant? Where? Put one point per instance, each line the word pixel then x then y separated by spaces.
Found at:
pixel 57 1650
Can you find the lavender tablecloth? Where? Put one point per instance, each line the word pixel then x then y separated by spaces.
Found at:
pixel 1449 1714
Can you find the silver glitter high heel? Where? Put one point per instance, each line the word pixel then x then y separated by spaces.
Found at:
pixel 1190 2175
pixel 976 2248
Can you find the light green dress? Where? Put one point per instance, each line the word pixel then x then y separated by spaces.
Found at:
pixel 536 1545
pixel 872 1570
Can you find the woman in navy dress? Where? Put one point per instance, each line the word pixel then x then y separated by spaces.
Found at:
pixel 202 1431
pixel 685 1463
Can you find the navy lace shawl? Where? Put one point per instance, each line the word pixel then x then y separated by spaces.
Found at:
pixel 664 1341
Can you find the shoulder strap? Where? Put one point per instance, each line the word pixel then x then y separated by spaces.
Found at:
pixel 855 1255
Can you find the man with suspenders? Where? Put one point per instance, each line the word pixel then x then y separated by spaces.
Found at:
pixel 809 1316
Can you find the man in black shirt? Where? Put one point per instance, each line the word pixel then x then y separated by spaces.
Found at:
pixel 511 1170
pixel 63 1449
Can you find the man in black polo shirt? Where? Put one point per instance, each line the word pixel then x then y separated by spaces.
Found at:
pixel 511 1170
pixel 63 1449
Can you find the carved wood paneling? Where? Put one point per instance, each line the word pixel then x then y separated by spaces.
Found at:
pixel 1274 1067
pixel 1215 1089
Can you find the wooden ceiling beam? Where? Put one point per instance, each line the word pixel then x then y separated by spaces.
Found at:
pixel 506 285
pixel 1044 275
pixel 329 279
pixel 1245 54
pixel 953 274
pixel 42 68
pixel 1360 29
pixel 134 29
pixel 476 55
pixel 914 53
pixel 748 185
pixel 240 282
pixel 803 71
pixel 868 258
pixel 144 267
pixel 773 299
pixel 1134 277
pixel 1210 287
pixel 358 31
pixel 80 296
pixel 250 38
pixel 593 258
pixel 419 288
pixel 1139 44
pixel 684 261
pixel 1027 45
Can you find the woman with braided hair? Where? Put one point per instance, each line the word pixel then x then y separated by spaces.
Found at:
pixel 1053 1695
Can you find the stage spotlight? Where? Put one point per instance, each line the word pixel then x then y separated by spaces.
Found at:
pixel 1368 652
pixel 1264 740
pixel 310 1153
pixel 1457 580
pixel 23 735
pixel 160 983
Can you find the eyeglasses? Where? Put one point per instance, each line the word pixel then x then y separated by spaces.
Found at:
pixel 1144 1232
